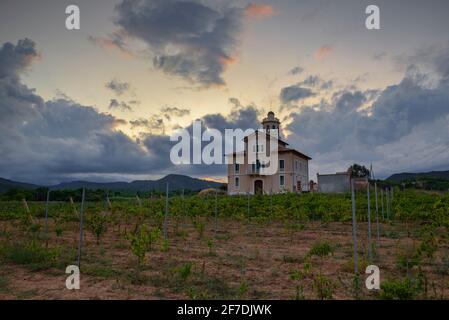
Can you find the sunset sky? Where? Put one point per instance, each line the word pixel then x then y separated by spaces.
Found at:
pixel 99 103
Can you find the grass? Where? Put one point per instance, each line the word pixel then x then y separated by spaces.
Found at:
pixel 34 255
pixel 4 283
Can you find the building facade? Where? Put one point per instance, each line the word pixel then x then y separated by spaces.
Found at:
pixel 292 173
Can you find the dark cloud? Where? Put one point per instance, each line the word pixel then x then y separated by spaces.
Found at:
pixel 295 93
pixel 16 58
pixel 118 87
pixel 51 141
pixel 169 112
pixel 152 125
pixel 296 70
pixel 188 38
pixel 316 82
pixel 119 105
pixel 404 127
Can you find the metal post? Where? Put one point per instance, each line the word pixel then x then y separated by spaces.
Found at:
pixel 166 214
pixel 46 212
pixel 377 214
pixel 81 227
pixel 46 218
pixel 354 228
pixel 382 202
pixel 216 211
pixel 387 199
pixel 370 254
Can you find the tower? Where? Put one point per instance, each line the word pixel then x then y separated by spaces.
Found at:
pixel 271 123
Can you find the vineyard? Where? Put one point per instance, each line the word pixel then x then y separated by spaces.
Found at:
pixel 285 246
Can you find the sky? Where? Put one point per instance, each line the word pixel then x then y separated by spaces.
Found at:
pixel 100 103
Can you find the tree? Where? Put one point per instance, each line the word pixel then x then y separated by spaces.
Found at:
pixel 359 171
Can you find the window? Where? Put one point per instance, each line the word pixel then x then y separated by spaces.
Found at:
pixel 281 180
pixel 255 166
pixel 237 168
pixel 281 165
pixel 258 148
pixel 296 165
pixel 237 182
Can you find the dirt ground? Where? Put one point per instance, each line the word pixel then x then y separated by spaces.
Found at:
pixel 239 260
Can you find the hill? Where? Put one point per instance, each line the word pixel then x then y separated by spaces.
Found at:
pixel 399 177
pixel 6 184
pixel 176 182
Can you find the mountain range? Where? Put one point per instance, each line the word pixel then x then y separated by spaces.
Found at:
pixel 399 177
pixel 175 181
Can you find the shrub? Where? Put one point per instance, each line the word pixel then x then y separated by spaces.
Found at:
pixel 398 290
pixel 97 224
pixel 321 249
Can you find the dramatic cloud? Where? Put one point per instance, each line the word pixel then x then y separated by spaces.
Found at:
pixel 118 87
pixel 15 59
pixel 48 141
pixel 51 141
pixel 114 104
pixel 294 93
pixel 322 52
pixel 187 38
pixel 405 127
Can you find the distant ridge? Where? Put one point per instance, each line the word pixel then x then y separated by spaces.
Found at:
pixel 6 184
pixel 176 182
pixel 399 177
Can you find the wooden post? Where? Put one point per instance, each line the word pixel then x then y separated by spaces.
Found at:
pixel 81 227
pixel 354 229
pixel 108 201
pixel 370 254
pixel 166 214
pixel 25 205
pixel 73 206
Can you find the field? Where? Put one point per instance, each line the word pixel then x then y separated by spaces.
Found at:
pixel 286 246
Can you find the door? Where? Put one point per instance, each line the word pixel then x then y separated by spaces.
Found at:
pixel 298 186
pixel 258 187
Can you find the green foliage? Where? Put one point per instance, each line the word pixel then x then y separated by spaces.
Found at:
pixel 33 255
pixel 199 226
pixel 323 286
pixel 321 249
pixel 184 271
pixel 97 224
pixel 404 289
pixel 141 242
